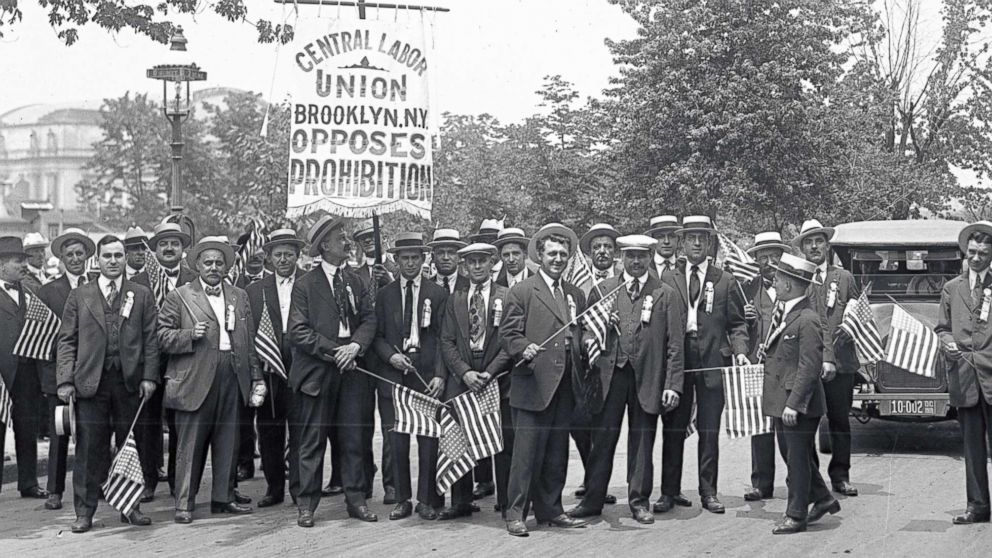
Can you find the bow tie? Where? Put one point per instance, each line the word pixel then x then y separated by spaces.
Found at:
pixel 212 291
pixel 173 273
pixel 12 286
pixel 602 273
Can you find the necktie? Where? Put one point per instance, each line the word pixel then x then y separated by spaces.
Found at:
pixel 447 284
pixel 81 280
pixel 112 292
pixel 476 316
pixel 777 316
pixel 976 292
pixel 602 274
pixel 339 297
pixel 11 286
pixel 694 285
pixel 635 290
pixel 213 291
pixel 408 309
pixel 818 277
pixel 560 299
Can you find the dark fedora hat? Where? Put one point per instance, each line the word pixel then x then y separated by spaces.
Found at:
pixel 408 241
pixel 12 246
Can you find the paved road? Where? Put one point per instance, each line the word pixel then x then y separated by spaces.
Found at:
pixel 911 479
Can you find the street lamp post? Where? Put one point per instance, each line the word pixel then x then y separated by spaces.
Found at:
pixel 177 109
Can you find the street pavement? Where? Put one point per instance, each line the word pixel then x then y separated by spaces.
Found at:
pixel 911 479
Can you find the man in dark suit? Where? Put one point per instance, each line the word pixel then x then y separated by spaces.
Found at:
pixel 832 287
pixel 473 356
pixel 716 336
pixel 409 312
pixel 273 295
pixel 108 363
pixel 793 394
pixel 640 369
pixel 444 255
pixel 167 243
pixel 962 325
pixel 331 323
pixel 512 246
pixel 542 335
pixel 20 376
pixel 761 297
pixel 213 369
pixel 73 249
pixel 663 228
pixel 136 249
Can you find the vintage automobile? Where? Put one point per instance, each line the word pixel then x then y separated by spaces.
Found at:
pixel 905 263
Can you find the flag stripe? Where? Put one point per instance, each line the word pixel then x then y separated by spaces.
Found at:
pixel 125 482
pixel 415 413
pixel 480 420
pixel 39 331
pixel 266 346
pixel 6 404
pixel 453 459
pixel 742 266
pixel 742 414
pixel 911 346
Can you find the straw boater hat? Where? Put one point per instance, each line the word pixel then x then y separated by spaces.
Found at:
pixel 408 241
pixel 488 229
pixel 477 248
pixel 811 227
pixel 768 240
pixel 282 236
pixel 365 228
pixel 169 230
pixel 661 224
pixel 12 246
pixel 446 237
pixel 34 240
pixel 797 267
pixel 599 229
pixel 511 235
pixel 548 230
pixel 135 237
pixel 696 223
pixel 319 230
pixel 212 243
pixel 73 235
pixel 636 242
pixel 978 226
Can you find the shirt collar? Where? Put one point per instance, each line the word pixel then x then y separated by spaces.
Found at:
pixel 627 278
pixel 73 278
pixel 281 280
pixel 329 268
pixel 822 268
pixel 973 275
pixel 547 279
pixel 104 282
pixel 659 259
pixel 703 267
pixel 204 286
pixel 415 281
pixel 790 304
pixel 482 288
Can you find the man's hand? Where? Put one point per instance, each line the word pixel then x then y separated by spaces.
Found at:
pixel 952 351
pixel 435 387
pixel 476 380
pixel 614 318
pixel 829 371
pixel 146 389
pixel 264 391
pixel 66 392
pixel 199 330
pixel 400 362
pixel 531 351
pixel 750 312
pixel 344 356
pixel 669 399
pixel 379 271
pixel 790 416
pixel 741 360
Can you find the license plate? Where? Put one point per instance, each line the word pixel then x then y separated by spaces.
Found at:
pixel 913 407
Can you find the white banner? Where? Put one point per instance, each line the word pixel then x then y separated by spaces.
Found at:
pixel 360 139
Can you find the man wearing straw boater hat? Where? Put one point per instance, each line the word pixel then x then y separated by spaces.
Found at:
pixel 792 393
pixel 761 297
pixel 445 245
pixel 35 245
pixel 962 325
pixel 640 371
pixel 213 370
pixel 378 274
pixel 409 312
pixel 74 249
pixel 108 363
pixel 663 228
pixel 511 244
pixel 136 250
pixel 715 336
pixel 331 323
pixel 541 333
pixel 829 292
pixel 273 296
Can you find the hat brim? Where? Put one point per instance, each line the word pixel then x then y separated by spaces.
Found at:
pixel 225 248
pixel 322 232
pixel 682 231
pixel 662 230
pixel 560 230
pixel 826 231
pixel 523 241
pixel 456 243
pixel 968 230
pixel 8 254
pixel 586 239
pixel 791 273
pixel 64 239
pixel 183 238
pixel 418 248
pixel 291 241
pixel 768 246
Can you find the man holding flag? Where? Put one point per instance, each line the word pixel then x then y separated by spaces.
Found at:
pixel 107 362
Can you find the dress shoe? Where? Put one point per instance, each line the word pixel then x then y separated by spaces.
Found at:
pixel 581 511
pixel 517 528
pixel 580 491
pixel 789 526
pixel 241 498
pixel 389 496
pixel 269 500
pixel 845 488
pixel 147 495
pixel 36 492
pixel 969 517
pixel 162 476
pixel 368 494
pixel 610 499
pixel 454 512
pixel 756 494
pixel 54 501
pixel 246 472
pixel 474 508
pixel 497 507
pixel 566 522
pixel 642 515
pixel 363 513
pixel 82 524
pixel 819 509
pixel 183 516
pixel 332 490
pixel 664 504
pixel 136 518
pixel 681 500
pixel 305 519
pixel 401 511
pixel 426 512
pixel 483 489
pixel 712 504
pixel 230 507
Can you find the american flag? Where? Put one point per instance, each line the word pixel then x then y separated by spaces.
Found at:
pixel 266 345
pixel 6 404
pixel 859 323
pixel 577 271
pixel 454 458
pixel 415 413
pixel 480 420
pixel 157 279
pixel 741 264
pixel 39 331
pixel 123 487
pixel 912 346
pixel 256 239
pixel 742 413
pixel 597 319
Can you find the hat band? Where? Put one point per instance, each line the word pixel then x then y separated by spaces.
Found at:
pixel 801 274
pixel 413 243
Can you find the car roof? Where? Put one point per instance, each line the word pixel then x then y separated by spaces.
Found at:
pixel 921 232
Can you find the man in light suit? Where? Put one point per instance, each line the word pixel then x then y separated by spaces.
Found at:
pixel 107 362
pixel 213 369
pixel 540 311
pixel 793 395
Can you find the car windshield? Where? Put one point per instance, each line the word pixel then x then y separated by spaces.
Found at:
pixel 906 273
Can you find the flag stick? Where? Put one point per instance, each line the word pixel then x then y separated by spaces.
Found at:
pixel 964 355
pixel 188 307
pixel 136 415
pixel 412 369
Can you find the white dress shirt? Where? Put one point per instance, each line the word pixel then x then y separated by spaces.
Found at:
pixel 217 305
pixel 12 293
pixel 790 304
pixel 452 281
pixel 131 272
pixel 659 263
pixel 344 329
pixel 284 289
pixel 973 276
pixel 484 289
pixel 691 322
pixel 628 278
pixel 104 285
pixel 512 280
pixel 73 279
pixel 172 280
pixel 415 323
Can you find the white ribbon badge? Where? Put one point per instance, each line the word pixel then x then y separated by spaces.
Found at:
pixel 709 297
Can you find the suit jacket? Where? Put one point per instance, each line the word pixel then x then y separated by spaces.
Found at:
pixel 186 275
pixel 793 365
pixel 82 346
pixel 765 306
pixel 192 364
pixel 12 318
pixel 958 322
pixel 365 272
pixel 531 315
pixel 390 332
pixel 722 333
pixel 265 291
pixel 462 282
pixel 313 327
pixel 456 348
pixel 54 295
pixel 838 350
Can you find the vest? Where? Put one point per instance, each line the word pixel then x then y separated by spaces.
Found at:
pixel 630 315
pixel 112 316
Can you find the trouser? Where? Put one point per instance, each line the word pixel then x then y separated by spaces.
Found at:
pixel 839 394
pixel 151 446
pixel 581 431
pixel 674 427
pixel 483 471
pixel 383 395
pixel 503 460
pixel 58 449
pixel 25 397
pixel 976 432
pixel 426 461
pixel 763 462
pixel 213 426
pixel 805 483
pixel 110 411
pixel 246 438
pixel 709 412
pixel 272 418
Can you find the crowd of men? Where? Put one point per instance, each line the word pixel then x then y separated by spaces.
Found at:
pixel 158 339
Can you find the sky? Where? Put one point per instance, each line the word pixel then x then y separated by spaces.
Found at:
pixel 490 57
